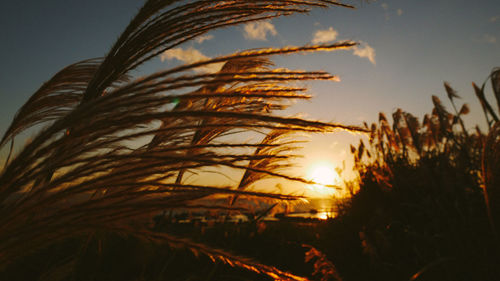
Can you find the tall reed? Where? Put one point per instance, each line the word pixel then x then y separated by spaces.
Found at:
pixel 421 205
pixel 114 148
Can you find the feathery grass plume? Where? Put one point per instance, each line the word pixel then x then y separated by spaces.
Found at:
pixel 208 126
pixel 428 135
pixel 411 140
pixel 360 149
pixel 385 131
pixel 464 110
pixel 55 98
pixel 156 29
pixel 115 152
pixel 413 126
pixel 452 94
pixel 271 145
pixel 443 117
pixel 102 165
pixel 401 130
pixel 373 131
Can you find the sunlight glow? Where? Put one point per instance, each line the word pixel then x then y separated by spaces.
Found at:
pixel 323 216
pixel 323 174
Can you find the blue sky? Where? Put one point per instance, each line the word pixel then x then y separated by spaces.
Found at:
pixel 408 48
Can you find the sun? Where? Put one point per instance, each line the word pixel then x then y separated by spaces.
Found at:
pixel 323 174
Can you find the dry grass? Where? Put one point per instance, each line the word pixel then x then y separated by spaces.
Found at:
pixel 420 206
pixel 115 149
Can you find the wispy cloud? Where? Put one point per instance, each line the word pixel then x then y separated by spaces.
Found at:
pixel 190 55
pixel 203 38
pixel 365 51
pixel 259 30
pixel 324 36
pixel 385 6
pixel 494 19
pixel 388 12
pixel 490 38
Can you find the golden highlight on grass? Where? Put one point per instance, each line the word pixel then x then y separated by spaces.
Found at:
pixel 115 149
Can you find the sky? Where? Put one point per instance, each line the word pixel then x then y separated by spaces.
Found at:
pixel 407 49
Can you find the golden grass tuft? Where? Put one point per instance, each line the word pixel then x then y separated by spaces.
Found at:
pixel 115 149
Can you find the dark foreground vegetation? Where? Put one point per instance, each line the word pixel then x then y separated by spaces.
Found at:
pixel 419 214
pixel 82 201
pixel 420 210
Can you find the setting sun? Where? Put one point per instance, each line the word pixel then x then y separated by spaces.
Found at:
pixel 323 174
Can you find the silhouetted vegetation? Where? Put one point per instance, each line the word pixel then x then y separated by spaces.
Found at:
pixel 100 192
pixel 115 150
pixel 420 209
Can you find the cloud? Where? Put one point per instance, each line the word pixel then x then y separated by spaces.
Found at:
pixel 365 51
pixel 490 38
pixel 494 19
pixel 387 12
pixel 259 30
pixel 190 55
pixel 386 9
pixel 324 36
pixel 202 38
